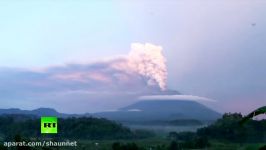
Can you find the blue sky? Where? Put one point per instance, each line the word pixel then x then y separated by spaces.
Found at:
pixel 214 49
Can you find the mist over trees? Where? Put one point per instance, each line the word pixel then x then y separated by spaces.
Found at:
pixel 71 128
pixel 227 129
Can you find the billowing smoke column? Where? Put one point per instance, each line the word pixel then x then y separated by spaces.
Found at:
pixel 148 60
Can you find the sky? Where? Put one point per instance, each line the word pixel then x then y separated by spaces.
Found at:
pixel 79 56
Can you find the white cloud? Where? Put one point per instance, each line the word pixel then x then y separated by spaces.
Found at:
pixel 176 97
pixel 134 110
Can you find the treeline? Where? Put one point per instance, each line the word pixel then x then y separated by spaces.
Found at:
pixel 173 145
pixel 88 128
pixel 229 128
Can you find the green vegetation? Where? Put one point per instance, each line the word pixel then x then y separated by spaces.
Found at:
pixel 259 111
pixel 226 133
pixel 229 128
pixel 71 128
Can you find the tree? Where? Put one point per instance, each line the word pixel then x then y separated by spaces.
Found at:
pixel 173 146
pixel 259 111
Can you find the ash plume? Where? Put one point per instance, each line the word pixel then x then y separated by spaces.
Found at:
pixel 148 60
pixel 144 60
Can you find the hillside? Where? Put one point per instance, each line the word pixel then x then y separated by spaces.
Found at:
pixel 151 111
pixel 71 128
pixel 36 112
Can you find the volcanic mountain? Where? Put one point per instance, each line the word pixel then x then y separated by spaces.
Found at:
pixel 162 110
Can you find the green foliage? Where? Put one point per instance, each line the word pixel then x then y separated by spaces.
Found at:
pixel 92 128
pixel 11 125
pixel 228 128
pixel 70 128
pixel 182 136
pixel 189 140
pixel 225 133
pixel 128 146
pixel 141 134
pixel 2 147
pixel 263 147
pixel 173 146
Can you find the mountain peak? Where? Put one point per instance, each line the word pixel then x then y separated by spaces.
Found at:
pixel 36 112
pixel 45 111
pixel 150 110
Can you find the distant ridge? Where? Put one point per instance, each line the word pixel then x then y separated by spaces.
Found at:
pixel 144 111
pixel 36 112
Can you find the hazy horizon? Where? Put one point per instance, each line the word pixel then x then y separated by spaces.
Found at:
pixel 90 56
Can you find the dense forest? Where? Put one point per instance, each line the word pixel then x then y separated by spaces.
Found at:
pixel 228 129
pixel 111 135
pixel 88 128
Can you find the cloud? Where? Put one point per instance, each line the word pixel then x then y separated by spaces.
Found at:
pixel 176 97
pixel 134 110
pixel 142 71
pixel 144 66
pixel 97 86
